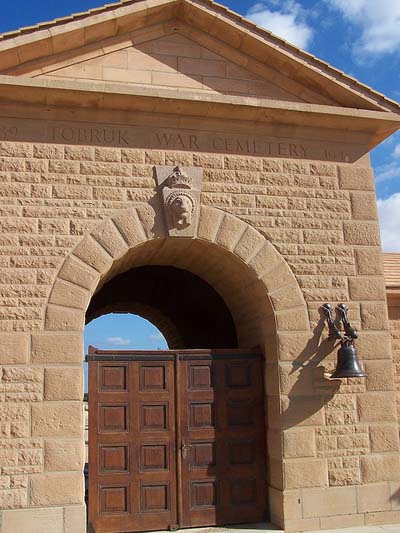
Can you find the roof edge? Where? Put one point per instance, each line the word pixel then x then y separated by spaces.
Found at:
pixel 49 38
pixel 391 269
pixel 44 91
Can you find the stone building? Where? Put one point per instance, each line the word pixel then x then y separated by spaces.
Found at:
pixel 391 265
pixel 270 208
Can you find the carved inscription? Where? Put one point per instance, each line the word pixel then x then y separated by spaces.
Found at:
pixel 102 136
pixel 176 139
pixel 341 155
pixel 8 133
pixel 248 146
pixel 235 145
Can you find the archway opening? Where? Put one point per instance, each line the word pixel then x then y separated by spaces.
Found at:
pixel 185 308
pixel 187 277
pixel 219 400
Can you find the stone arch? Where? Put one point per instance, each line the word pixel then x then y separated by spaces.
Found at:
pixel 109 248
pixel 251 276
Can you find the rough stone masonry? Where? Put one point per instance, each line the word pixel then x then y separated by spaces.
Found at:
pixel 287 221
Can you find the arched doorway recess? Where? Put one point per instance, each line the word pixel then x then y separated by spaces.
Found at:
pixel 246 271
pixel 200 319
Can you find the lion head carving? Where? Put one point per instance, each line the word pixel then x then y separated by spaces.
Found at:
pixel 181 206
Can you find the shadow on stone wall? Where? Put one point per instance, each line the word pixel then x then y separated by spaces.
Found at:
pixel 309 389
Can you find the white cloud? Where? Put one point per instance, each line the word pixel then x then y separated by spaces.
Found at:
pixel 379 23
pixel 286 19
pixel 156 337
pixel 389 218
pixel 396 151
pixel 387 172
pixel 118 341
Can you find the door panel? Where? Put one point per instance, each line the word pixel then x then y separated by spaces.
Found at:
pixel 175 439
pixel 197 422
pixel 243 443
pixel 132 453
pixel 222 430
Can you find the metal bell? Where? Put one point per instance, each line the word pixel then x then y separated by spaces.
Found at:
pixel 348 365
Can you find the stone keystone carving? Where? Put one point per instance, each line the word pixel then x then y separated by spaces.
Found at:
pixel 180 187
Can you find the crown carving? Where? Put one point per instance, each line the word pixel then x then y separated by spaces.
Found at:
pixel 179 180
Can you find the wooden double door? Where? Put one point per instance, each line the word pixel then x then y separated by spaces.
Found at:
pixel 176 439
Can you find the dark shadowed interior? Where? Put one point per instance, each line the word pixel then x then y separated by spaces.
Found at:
pixel 186 309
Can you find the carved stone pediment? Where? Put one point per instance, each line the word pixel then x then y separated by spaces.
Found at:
pixel 180 188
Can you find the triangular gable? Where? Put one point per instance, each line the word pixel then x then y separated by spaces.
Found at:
pixel 172 60
pixel 267 63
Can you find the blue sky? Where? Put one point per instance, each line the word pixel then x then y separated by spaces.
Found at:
pixel 360 37
pixel 122 332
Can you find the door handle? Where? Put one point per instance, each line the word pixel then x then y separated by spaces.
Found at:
pixel 184 449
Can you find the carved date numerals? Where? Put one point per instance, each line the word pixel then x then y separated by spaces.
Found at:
pixel 8 133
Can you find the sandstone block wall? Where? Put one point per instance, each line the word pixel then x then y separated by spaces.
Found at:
pixel 333 447
pixel 394 322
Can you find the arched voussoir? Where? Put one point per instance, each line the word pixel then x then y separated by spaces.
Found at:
pixel 91 252
pixel 229 232
pixel 61 318
pixel 266 259
pixel 110 238
pixel 79 273
pixel 74 285
pixel 278 276
pixel 93 257
pixel 151 219
pixel 130 227
pixel 286 297
pixel 209 222
pixel 249 244
pixel 99 255
pixel 69 294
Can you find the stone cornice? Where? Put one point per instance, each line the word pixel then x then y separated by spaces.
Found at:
pixel 98 95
